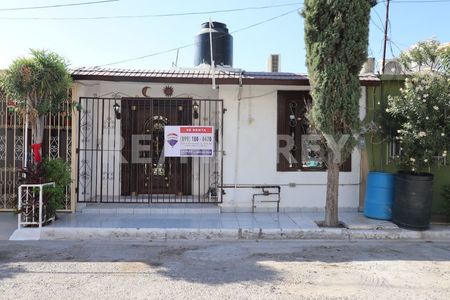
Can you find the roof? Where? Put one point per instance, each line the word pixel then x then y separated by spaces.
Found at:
pixel 202 76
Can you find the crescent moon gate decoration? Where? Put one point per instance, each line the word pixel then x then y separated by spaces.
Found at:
pixel 145 91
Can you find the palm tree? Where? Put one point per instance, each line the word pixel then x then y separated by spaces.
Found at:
pixel 38 84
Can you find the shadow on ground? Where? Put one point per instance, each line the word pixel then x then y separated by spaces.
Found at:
pixel 212 263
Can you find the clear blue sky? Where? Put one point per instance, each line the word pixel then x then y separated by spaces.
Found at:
pixel 98 42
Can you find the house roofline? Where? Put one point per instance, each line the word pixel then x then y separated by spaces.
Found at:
pixel 202 76
pixel 192 80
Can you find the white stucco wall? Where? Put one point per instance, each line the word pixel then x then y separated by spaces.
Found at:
pixel 250 143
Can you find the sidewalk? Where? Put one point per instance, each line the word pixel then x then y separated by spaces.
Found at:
pixel 8 223
pixel 224 226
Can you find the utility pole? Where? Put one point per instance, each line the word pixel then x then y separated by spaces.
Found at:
pixel 385 35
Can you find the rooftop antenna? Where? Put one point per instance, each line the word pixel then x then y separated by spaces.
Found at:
pixel 175 64
pixel 213 65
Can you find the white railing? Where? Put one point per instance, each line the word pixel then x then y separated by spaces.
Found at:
pixel 28 205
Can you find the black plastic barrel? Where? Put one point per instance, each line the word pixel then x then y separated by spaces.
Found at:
pixel 379 197
pixel 222 44
pixel 413 198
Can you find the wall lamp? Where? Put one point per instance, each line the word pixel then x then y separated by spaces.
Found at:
pixel 195 107
pixel 116 108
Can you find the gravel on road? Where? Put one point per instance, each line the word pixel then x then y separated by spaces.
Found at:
pixel 225 270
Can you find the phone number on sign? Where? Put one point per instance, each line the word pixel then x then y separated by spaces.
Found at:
pixel 196 139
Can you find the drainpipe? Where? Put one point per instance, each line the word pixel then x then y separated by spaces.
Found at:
pixel 213 64
pixel 236 161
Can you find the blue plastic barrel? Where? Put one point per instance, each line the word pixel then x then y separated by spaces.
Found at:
pixel 380 191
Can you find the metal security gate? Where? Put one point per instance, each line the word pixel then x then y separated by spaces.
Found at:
pixel 121 151
pixel 57 144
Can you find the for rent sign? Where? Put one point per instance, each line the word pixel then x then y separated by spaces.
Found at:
pixel 188 141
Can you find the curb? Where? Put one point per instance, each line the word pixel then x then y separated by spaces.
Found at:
pixel 161 234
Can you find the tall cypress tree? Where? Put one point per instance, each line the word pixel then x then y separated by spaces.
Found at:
pixel 336 39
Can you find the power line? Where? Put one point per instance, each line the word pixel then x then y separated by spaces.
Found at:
pixel 265 21
pixel 389 37
pixel 396 45
pixel 155 15
pixel 192 44
pixel 57 5
pixel 164 15
pixel 378 16
pixel 376 25
pixel 172 14
pixel 391 42
pixel 148 55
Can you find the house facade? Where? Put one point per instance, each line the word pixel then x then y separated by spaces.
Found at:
pixel 255 120
pixel 219 135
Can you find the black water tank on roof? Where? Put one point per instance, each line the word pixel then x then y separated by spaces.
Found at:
pixel 222 45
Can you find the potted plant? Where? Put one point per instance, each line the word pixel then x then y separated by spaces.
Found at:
pixel 421 116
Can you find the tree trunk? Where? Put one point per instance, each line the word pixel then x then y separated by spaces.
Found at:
pixel 331 206
pixel 37 134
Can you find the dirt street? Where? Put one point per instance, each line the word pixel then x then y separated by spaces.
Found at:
pixel 225 270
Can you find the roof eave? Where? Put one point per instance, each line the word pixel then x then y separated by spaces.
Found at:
pixel 248 81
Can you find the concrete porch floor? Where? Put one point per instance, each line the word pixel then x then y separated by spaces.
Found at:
pixel 165 226
pixel 208 220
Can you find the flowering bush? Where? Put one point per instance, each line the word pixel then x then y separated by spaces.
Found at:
pixel 428 55
pixel 421 115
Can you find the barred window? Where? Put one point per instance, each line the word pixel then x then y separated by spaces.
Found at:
pixel 292 124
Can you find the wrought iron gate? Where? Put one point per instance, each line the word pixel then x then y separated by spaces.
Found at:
pixel 114 131
pixel 57 144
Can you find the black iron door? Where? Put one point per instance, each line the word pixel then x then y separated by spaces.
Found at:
pixel 147 171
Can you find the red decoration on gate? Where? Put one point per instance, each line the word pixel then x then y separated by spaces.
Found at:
pixel 37 152
pixel 11 103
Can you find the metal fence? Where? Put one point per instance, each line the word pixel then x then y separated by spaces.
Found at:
pixel 121 151
pixel 57 144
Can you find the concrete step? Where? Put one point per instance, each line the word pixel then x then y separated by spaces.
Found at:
pixel 176 208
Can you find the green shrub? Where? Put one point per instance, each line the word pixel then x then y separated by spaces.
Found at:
pixel 420 114
pixel 58 171
pixel 423 123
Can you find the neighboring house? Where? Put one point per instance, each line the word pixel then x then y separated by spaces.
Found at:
pixel 382 148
